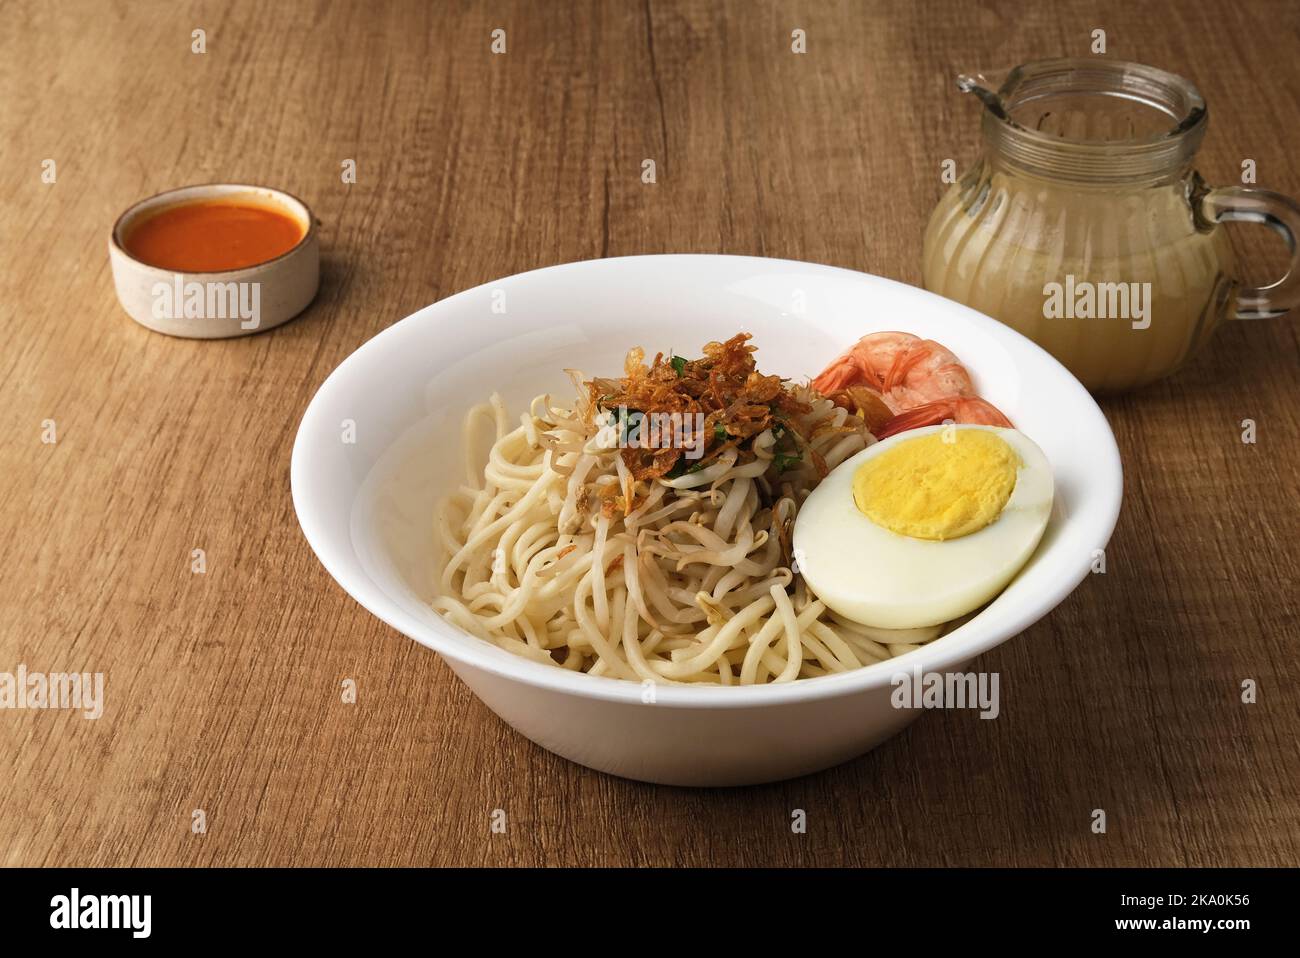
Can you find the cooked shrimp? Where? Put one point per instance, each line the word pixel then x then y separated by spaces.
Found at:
pixel 920 381
pixel 906 370
pixel 964 410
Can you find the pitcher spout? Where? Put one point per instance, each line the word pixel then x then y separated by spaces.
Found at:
pixel 986 84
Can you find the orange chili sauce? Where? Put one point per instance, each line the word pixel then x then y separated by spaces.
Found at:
pixel 208 236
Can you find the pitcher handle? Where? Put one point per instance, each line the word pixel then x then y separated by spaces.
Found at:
pixel 1281 213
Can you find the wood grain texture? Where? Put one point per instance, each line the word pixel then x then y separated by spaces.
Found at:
pixel 223 689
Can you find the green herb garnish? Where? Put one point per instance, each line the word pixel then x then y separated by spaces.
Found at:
pixel 680 468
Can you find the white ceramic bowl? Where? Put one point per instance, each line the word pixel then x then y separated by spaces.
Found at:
pixel 366 506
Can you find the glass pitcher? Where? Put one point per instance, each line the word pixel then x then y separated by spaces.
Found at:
pixel 1085 227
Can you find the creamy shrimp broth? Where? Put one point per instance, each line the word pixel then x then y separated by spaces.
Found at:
pixel 1000 253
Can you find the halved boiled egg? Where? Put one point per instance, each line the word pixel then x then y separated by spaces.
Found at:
pixel 926 526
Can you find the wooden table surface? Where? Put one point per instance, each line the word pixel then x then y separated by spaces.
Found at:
pixel 223 689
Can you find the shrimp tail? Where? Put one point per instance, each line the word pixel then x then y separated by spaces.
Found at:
pixel 845 371
pixel 970 410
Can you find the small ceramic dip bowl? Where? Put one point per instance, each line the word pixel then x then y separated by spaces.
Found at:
pixel 215 261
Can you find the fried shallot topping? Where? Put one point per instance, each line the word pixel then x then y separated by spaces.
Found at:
pixel 677 415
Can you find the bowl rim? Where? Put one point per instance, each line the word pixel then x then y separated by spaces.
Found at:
pixel 302 211
pixel 478 654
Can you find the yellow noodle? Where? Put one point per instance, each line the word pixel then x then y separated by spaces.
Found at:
pixel 690 587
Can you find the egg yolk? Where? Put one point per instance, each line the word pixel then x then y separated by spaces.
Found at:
pixel 942 485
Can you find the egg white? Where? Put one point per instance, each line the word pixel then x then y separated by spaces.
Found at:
pixel 880 578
